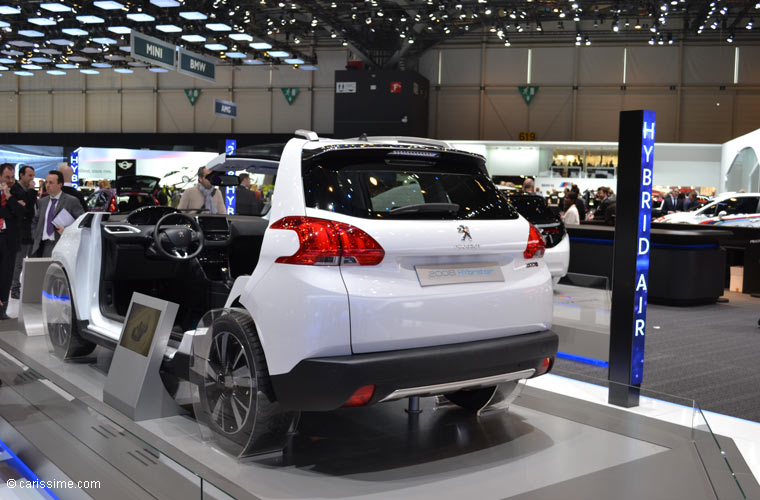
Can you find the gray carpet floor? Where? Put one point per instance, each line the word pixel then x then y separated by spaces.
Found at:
pixel 710 354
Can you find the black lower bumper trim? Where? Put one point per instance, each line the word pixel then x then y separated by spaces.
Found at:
pixel 323 384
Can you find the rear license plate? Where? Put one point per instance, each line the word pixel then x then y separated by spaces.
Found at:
pixel 449 274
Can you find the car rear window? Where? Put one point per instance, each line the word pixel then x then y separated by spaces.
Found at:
pixel 388 184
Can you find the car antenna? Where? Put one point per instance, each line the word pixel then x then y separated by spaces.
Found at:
pixel 364 137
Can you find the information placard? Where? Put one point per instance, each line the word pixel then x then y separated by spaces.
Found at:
pixel 134 385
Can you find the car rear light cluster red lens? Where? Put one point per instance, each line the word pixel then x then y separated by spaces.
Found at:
pixel 550 230
pixel 536 245
pixel 326 242
pixel 546 363
pixel 361 397
pixel 112 206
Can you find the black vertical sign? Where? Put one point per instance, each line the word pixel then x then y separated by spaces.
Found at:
pixel 630 275
pixel 125 168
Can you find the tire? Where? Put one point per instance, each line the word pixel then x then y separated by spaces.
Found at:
pixel 237 401
pixel 59 315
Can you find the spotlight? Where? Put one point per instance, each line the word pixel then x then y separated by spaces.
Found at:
pixel 730 38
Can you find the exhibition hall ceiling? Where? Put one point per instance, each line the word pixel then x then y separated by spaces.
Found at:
pixel 95 35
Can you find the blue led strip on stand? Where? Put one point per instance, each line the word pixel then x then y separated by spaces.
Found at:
pixel 75 168
pixel 583 359
pixel 642 258
pixel 230 195
pixel 39 490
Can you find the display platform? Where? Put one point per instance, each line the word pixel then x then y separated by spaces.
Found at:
pixel 546 446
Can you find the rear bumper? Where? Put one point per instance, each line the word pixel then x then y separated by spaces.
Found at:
pixel 323 384
pixel 557 258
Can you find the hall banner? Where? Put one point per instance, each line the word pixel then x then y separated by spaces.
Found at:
pixel 152 50
pixel 196 65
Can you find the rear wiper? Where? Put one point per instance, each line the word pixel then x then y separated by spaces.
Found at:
pixel 425 208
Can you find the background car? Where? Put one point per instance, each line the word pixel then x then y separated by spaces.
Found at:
pixel 535 209
pixel 130 193
pixel 728 209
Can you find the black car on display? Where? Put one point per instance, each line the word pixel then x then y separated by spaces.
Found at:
pixel 131 192
pixel 536 211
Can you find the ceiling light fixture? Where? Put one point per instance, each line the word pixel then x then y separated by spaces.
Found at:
pixel 193 38
pixel 89 20
pixel 168 28
pixel 108 5
pixel 193 16
pixel 141 17
pixel 42 21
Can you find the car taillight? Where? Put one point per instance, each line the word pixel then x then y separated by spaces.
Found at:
pixel 546 364
pixel 550 230
pixel 536 245
pixel 361 397
pixel 112 206
pixel 329 243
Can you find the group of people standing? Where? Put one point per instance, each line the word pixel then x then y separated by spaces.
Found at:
pixel 207 198
pixel 676 201
pixel 574 210
pixel 31 225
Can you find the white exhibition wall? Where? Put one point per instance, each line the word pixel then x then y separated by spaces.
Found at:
pixel 701 93
pixel 100 163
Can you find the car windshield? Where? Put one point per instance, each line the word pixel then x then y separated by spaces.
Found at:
pixel 732 206
pixel 387 184
pixel 136 184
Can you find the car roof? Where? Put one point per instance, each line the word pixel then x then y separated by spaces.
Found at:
pixel 265 158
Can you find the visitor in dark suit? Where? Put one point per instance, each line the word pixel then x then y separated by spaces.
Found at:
pixel 246 201
pixel 11 212
pixel 68 186
pixel 671 203
pixel 26 181
pixel 45 233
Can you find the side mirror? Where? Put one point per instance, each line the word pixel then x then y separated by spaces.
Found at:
pixel 222 179
pixel 722 214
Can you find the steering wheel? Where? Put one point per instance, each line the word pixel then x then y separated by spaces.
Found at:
pixel 176 242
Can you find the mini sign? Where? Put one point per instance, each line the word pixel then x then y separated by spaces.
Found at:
pixel 225 108
pixel 152 50
pixel 528 93
pixel 396 87
pixel 345 87
pixel 196 65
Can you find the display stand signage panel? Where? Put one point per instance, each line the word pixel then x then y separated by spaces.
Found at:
pixel 630 278
pixel 75 168
pixel 134 385
pixel 196 65
pixel 152 50
pixel 126 168
pixel 230 192
pixel 225 108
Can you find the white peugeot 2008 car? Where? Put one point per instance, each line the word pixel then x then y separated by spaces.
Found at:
pixel 385 268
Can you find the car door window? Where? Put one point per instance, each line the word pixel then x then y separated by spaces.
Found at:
pixel 734 206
